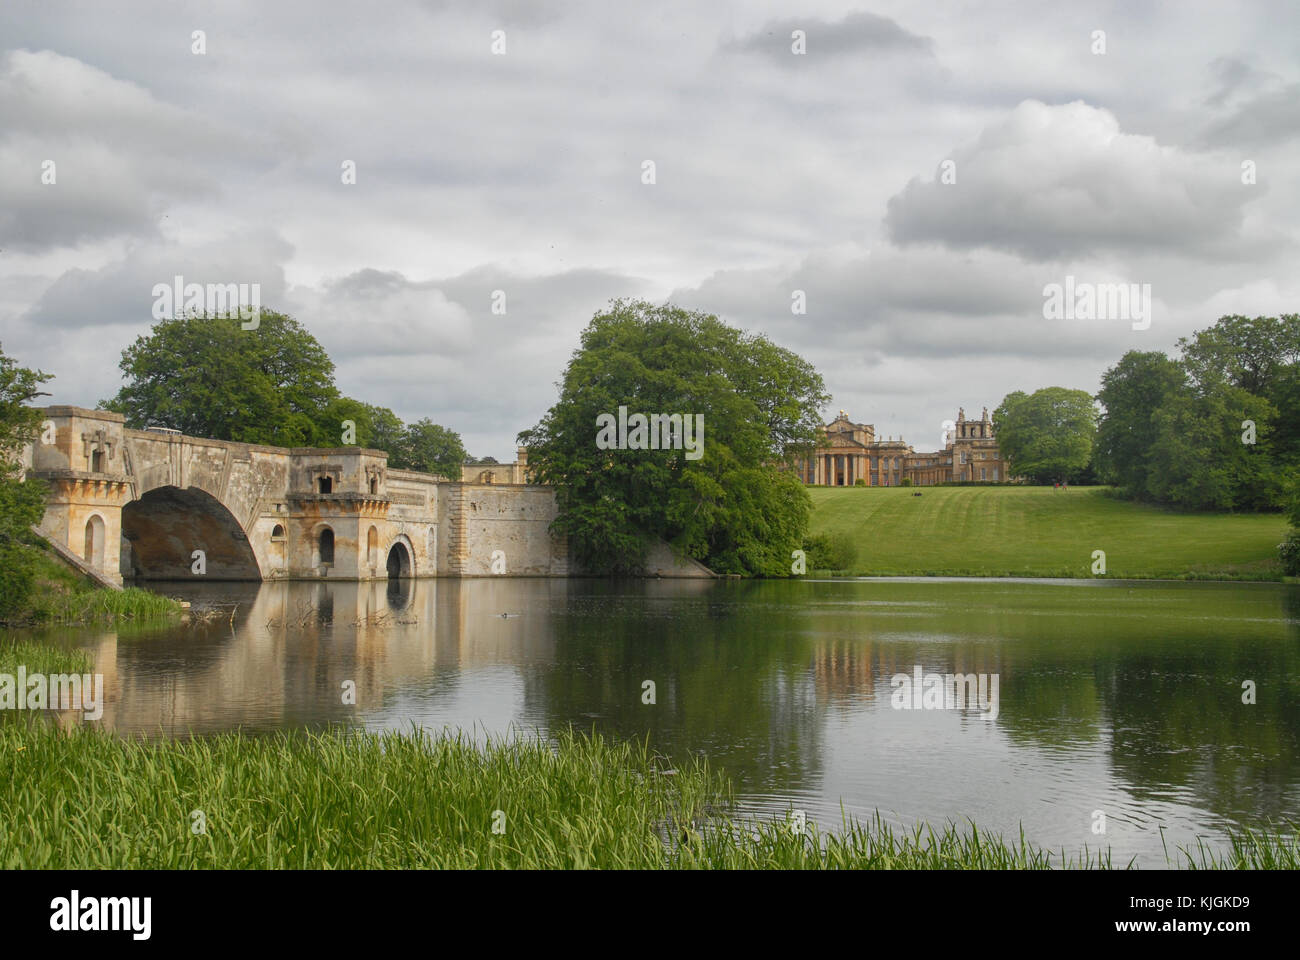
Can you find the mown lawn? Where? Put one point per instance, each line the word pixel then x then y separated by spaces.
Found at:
pixel 1041 532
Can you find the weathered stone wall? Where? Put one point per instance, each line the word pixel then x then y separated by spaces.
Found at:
pixel 508 524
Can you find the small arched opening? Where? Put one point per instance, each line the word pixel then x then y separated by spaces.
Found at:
pixel 325 547
pixel 399 561
pixel 277 550
pixel 93 547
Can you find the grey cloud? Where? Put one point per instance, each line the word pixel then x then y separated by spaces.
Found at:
pixel 120 155
pixel 509 13
pixel 121 292
pixel 910 304
pixel 1231 75
pixel 434 347
pixel 1265 120
pixel 860 32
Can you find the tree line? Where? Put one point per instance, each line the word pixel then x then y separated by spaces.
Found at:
pixel 1217 428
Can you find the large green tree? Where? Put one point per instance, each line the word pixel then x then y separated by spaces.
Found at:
pixel 1260 355
pixel 737 508
pixel 1047 435
pixel 1197 459
pixel 207 377
pixel 385 431
pixel 1251 353
pixel 433 449
pixel 1218 428
pixel 375 428
pixel 1131 392
pixel 22 502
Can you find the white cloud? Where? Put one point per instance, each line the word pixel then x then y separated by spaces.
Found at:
pixel 1052 181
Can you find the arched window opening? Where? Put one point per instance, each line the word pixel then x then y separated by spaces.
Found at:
pixel 327 546
pixel 93 543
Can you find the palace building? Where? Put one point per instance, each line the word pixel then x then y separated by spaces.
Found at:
pixel 970 454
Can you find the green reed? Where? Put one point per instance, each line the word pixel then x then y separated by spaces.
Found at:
pixel 83 798
pixel 103 606
pixel 41 658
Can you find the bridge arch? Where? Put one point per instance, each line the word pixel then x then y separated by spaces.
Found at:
pixel 163 527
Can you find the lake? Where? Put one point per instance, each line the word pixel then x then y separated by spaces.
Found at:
pixel 1122 698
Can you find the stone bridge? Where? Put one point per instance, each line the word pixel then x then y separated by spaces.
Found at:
pixel 154 504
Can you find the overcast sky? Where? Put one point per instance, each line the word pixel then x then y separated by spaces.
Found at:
pixel 775 172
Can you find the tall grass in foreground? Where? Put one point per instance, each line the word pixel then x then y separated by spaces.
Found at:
pixel 1251 849
pixel 42 658
pixel 86 799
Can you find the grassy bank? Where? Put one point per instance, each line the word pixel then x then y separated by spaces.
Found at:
pixel 63 596
pixel 1041 532
pixel 85 799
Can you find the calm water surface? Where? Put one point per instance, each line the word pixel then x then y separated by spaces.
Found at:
pixel 1123 697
